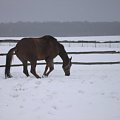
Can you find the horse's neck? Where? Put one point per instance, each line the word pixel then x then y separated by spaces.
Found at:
pixel 64 56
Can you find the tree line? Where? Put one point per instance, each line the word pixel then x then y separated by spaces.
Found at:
pixel 59 29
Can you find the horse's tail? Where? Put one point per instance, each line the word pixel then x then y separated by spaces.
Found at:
pixel 8 62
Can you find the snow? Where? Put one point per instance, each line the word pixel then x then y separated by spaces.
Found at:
pixel 86 38
pixel 92 38
pixel 92 92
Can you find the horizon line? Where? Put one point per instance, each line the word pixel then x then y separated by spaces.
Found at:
pixel 59 22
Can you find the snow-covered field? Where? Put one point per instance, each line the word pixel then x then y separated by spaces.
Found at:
pixel 87 38
pixel 92 92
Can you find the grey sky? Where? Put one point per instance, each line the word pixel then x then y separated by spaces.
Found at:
pixel 59 10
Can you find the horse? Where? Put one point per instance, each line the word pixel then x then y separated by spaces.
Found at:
pixel 32 49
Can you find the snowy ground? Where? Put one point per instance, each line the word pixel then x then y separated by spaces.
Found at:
pixel 90 93
pixel 88 38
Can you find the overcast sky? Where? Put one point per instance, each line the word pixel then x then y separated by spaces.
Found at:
pixel 59 10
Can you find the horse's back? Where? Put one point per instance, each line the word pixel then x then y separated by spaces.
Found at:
pixel 38 48
pixel 50 46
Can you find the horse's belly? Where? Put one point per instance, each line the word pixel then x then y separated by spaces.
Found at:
pixel 41 56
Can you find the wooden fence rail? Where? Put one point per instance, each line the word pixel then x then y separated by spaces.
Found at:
pixel 64 41
pixel 89 52
pixel 82 43
pixel 76 63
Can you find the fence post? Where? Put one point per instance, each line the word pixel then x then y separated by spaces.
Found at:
pixel 110 44
pixel 95 44
pixel 82 43
pixel 69 44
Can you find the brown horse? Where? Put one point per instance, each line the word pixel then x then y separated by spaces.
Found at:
pixel 33 49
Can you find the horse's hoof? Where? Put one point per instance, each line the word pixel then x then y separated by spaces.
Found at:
pixel 38 77
pixel 8 76
pixel 44 76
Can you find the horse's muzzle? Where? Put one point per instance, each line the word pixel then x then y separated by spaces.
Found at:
pixel 68 74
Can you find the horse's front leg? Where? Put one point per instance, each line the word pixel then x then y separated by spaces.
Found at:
pixel 46 68
pixel 50 65
pixel 51 68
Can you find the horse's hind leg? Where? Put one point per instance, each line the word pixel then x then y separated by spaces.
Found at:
pixel 25 70
pixel 50 65
pixel 33 69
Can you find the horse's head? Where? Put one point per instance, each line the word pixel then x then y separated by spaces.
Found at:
pixel 67 67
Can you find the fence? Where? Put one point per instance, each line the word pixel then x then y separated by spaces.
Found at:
pixel 76 42
pixel 80 43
